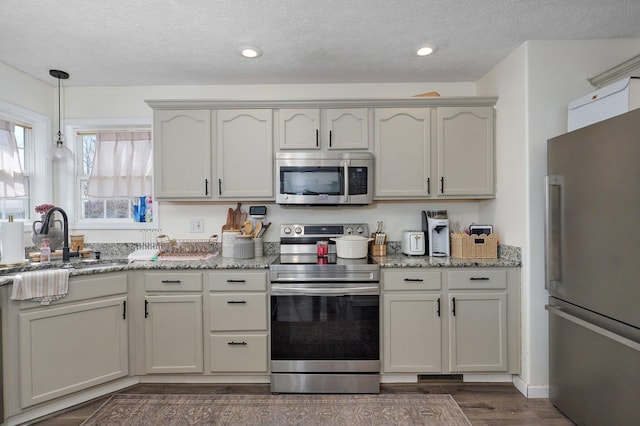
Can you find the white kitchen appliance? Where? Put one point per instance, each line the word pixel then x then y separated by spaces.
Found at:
pixel 413 243
pixel 435 224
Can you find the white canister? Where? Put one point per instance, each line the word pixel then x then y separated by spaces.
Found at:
pixel 243 248
pixel 228 241
pixel 258 247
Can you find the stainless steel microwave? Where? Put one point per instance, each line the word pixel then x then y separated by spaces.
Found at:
pixel 330 178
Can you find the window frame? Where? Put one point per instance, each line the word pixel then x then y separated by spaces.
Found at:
pixel 73 127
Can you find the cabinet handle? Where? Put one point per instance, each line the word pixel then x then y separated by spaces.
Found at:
pixel 124 309
pixel 232 343
pixel 479 278
pixel 419 280
pixel 206 187
pixel 219 186
pixel 442 185
pixel 428 186
pixel 171 282
pixel 330 139
pixel 317 138
pixel 438 311
pixel 237 302
pixel 236 281
pixel 146 308
pixel 453 306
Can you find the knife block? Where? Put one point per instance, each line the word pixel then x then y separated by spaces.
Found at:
pixel 377 249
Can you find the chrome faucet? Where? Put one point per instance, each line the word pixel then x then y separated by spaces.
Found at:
pixel 44 230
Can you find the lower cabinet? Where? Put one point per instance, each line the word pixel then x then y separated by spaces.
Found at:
pixel 75 343
pixel 238 326
pixel 463 320
pixel 173 323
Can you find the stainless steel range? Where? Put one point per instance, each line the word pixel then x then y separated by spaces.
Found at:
pixel 325 315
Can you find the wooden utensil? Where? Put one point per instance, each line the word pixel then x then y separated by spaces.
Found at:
pixel 256 233
pixel 247 228
pixel 237 217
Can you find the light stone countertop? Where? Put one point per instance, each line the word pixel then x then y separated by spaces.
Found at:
pixel 114 264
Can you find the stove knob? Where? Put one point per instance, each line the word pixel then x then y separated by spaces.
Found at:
pixel 287 230
pixel 360 230
pixel 298 230
pixel 349 230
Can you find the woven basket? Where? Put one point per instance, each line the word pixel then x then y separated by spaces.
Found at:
pixel 474 246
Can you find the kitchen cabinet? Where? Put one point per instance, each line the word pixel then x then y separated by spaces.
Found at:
pixel 238 322
pixel 403 153
pixel 173 322
pixel 244 141
pixel 465 152
pixel 182 154
pixel 440 153
pixel 460 320
pixel 412 321
pixel 75 343
pixel 331 128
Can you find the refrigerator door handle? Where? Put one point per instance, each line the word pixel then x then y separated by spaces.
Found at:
pixel 553 231
pixel 594 328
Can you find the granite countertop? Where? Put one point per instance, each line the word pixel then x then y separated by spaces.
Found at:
pixel 113 264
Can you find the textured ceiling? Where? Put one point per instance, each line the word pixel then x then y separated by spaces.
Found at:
pixel 197 42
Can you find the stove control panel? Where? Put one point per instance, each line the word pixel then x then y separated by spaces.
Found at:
pixel 326 230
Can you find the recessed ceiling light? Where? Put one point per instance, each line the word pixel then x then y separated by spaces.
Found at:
pixel 425 50
pixel 250 52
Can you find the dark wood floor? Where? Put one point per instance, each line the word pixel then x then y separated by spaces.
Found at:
pixel 483 404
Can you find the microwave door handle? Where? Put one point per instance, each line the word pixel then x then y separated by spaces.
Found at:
pixel 346 181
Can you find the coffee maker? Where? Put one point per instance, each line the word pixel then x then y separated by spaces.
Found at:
pixel 435 224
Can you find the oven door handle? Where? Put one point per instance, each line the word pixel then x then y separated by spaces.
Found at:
pixel 324 291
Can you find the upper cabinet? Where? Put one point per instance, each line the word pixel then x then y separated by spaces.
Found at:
pixel 438 153
pixel 402 152
pixel 314 128
pixel 465 151
pixel 425 148
pixel 182 154
pixel 244 140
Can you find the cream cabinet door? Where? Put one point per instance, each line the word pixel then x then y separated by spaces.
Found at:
pixel 347 128
pixel 465 151
pixel 245 154
pixel 182 154
pixel 71 347
pixel 173 333
pixel 299 128
pixel 412 332
pixel 403 153
pixel 478 332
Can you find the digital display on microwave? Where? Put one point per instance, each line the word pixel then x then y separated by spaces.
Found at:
pixel 312 180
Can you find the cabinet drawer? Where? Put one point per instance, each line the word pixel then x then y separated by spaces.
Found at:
pixel 173 282
pixel 241 311
pixel 239 352
pixel 474 279
pixel 411 279
pixel 238 281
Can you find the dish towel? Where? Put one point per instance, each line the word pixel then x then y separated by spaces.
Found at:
pixel 41 286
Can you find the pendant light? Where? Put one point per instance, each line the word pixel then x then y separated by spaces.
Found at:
pixel 59 152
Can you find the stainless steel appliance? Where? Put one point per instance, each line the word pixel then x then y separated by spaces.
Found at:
pixel 332 178
pixel 592 271
pixel 435 224
pixel 325 314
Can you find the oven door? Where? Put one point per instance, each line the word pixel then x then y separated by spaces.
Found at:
pixel 330 332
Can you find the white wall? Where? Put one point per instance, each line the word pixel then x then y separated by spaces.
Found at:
pixel 535 84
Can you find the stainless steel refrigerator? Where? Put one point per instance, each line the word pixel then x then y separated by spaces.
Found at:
pixel 593 271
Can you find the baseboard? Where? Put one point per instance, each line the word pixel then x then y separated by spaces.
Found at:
pixel 530 391
pixel 488 378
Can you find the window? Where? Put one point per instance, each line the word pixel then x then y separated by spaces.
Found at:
pixel 19 208
pixel 99 212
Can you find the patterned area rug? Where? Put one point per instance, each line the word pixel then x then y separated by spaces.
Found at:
pixel 307 410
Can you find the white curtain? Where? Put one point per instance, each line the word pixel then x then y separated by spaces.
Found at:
pixel 122 166
pixel 11 175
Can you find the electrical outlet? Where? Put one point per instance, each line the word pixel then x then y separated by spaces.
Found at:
pixel 196 225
